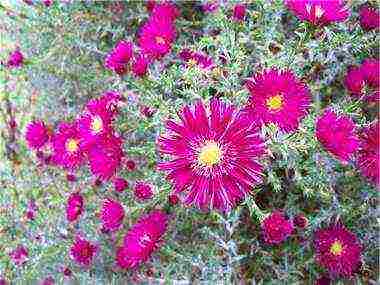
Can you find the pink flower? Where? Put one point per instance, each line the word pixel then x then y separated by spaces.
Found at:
pixel 214 154
pixel 107 104
pixel 68 152
pixel 368 155
pixel 48 281
pixel 196 58
pixel 82 251
pixel 278 97
pixel 142 240
pixel 120 184
pixel 74 207
pixel 105 157
pixel 37 134
pixel 239 12
pixel 323 281
pixel 364 81
pixel 337 250
pixel 19 255
pixel 300 221
pixel 131 165
pixel 150 5
pixel 210 6
pixel 117 60
pixel 173 199
pixel 337 134
pixel 276 228
pixel 140 65
pixel 165 11
pixel 369 18
pixel 112 215
pixel 319 12
pixel 47 3
pixel 15 59
pixel 143 191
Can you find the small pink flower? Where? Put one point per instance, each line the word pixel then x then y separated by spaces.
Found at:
pixel 239 12
pixel 276 228
pixel 48 3
pixel 120 184
pixel 131 165
pixel 74 207
pixel 37 134
pixel 117 60
pixel 369 18
pixel 83 251
pixel 112 215
pixel 15 59
pixel 143 191
pixel 300 221
pixel 19 255
pixel 140 65
pixel 210 6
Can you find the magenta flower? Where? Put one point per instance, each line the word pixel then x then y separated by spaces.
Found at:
pixel 120 184
pixel 143 191
pixel 68 152
pixel 239 12
pixel 368 155
pixel 15 59
pixel 117 60
pixel 215 155
pixel 196 58
pixel 210 6
pixel 319 12
pixel 19 255
pixel 48 3
pixel 82 251
pixel 300 221
pixel 337 250
pixel 37 134
pixel 74 207
pixel 369 18
pixel 278 97
pixel 142 240
pixel 107 104
pixel 276 228
pixel 165 11
pixel 105 157
pixel 140 65
pixel 48 281
pixel 112 215
pixel 337 134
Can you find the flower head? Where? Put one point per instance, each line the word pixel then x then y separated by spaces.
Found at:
pixel 368 155
pixel 19 255
pixel 319 12
pixel 68 152
pixel 37 134
pixel 107 104
pixel 120 184
pixel 15 59
pixel 140 64
pixel 337 250
pixel 142 240
pixel 196 58
pixel 337 135
pixel 278 97
pixel 83 251
pixel 117 60
pixel 74 207
pixel 112 215
pixel 369 18
pixel 276 228
pixel 165 11
pixel 239 12
pixel 143 191
pixel 215 153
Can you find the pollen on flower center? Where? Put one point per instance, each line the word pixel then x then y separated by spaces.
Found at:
pixel 274 103
pixel 96 124
pixel 336 248
pixel 72 145
pixel 209 154
pixel 160 40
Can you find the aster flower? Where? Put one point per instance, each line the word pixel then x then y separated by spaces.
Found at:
pixel 319 12
pixel 19 255
pixel 142 240
pixel 276 228
pixel 337 135
pixel 140 65
pixel 368 155
pixel 278 97
pixel 239 12
pixel 105 157
pixel 74 207
pixel 215 153
pixel 15 59
pixel 196 58
pixel 369 18
pixel 117 60
pixel 112 215
pixel 37 134
pixel 67 150
pixel 120 184
pixel 107 104
pixel 83 251
pixel 143 191
pixel 300 221
pixel 130 164
pixel 337 250
pixel 165 10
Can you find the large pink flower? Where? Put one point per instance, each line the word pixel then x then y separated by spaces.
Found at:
pixel 68 152
pixel 337 134
pixel 142 240
pixel 337 250
pixel 368 154
pixel 105 157
pixel 117 60
pixel 74 206
pixel 278 97
pixel 215 152
pixel 37 134
pixel 112 215
pixel 369 18
pixel 276 228
pixel 319 12
pixel 83 251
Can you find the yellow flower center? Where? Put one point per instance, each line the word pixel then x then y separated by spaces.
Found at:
pixel 72 145
pixel 336 248
pixel 210 154
pixel 96 124
pixel 275 103
pixel 160 40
